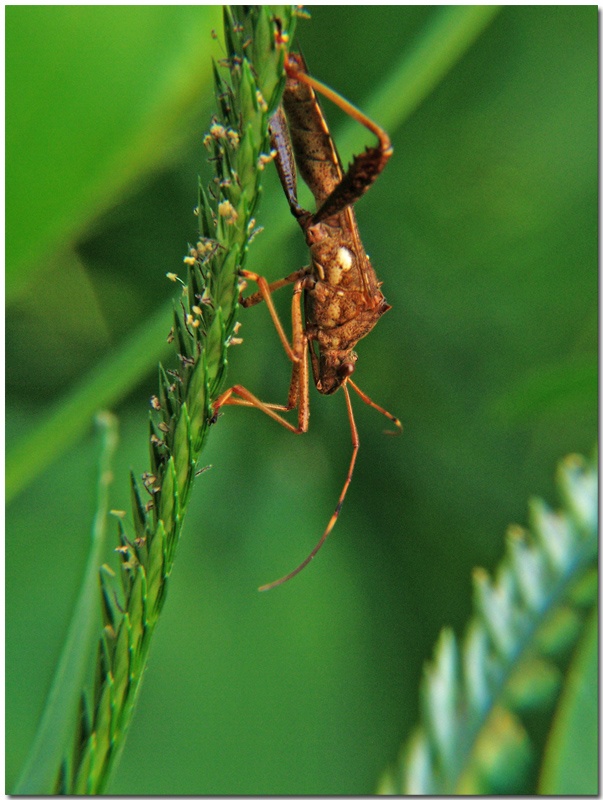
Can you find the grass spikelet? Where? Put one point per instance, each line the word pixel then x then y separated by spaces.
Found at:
pixel 248 85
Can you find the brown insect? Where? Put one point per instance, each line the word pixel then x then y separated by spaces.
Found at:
pixel 342 297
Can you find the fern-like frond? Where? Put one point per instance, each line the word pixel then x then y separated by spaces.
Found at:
pixel 487 700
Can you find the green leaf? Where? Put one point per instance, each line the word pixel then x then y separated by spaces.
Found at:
pixel 156 571
pixel 39 773
pixel 82 780
pixel 570 764
pixel 421 68
pixel 121 675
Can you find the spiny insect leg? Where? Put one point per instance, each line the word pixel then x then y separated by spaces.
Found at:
pixel 366 167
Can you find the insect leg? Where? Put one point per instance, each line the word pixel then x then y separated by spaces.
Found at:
pixel 333 520
pixel 257 297
pixel 374 405
pixel 365 167
pixel 298 389
pixel 240 396
pixel 265 294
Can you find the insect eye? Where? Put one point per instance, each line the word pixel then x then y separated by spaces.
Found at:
pixel 346 369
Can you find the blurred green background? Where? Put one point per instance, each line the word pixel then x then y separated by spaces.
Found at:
pixel 483 229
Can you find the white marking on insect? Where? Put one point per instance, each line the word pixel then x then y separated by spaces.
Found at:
pixel 345 258
pixel 342 262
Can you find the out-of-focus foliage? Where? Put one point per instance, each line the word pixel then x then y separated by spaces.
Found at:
pixel 490 702
pixel 571 760
pixel 39 774
pixel 66 67
pixel 483 229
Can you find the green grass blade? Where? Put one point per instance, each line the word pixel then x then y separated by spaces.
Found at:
pixel 39 774
pixel 104 386
pixel 450 35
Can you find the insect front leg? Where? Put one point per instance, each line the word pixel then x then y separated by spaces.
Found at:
pixel 348 479
pixel 298 396
pixel 265 294
pixel 257 297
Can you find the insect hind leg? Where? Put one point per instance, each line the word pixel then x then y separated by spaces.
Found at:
pixel 366 167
